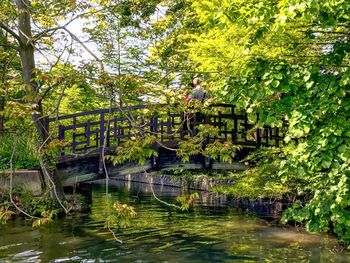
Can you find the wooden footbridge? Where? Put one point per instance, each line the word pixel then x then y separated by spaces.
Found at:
pixel 90 135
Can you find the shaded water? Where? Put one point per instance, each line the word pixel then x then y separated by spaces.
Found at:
pixel 213 232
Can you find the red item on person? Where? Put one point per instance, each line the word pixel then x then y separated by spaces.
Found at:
pixel 186 98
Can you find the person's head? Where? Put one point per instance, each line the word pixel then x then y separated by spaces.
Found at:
pixel 196 82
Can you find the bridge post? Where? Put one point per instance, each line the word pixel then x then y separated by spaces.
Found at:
pixel 61 136
pixel 258 133
pixel 277 137
pixel 235 130
pixel 101 144
pixel 154 130
pixel 207 160
pixel 245 126
pixel 74 143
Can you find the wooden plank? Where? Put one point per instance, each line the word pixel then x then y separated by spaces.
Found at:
pixel 229 116
pixel 229 166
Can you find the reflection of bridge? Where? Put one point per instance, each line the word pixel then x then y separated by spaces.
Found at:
pixel 87 132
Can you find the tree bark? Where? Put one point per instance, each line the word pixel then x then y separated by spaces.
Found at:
pixel 1 124
pixel 2 83
pixel 26 50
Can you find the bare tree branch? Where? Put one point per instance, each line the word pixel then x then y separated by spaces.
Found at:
pixel 54 29
pixel 73 36
pixel 45 32
pixel 10 31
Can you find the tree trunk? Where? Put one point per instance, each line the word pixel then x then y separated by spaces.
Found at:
pixel 26 50
pixel 2 106
pixel 2 84
pixel 1 124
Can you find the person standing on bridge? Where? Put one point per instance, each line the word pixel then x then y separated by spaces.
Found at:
pixel 198 94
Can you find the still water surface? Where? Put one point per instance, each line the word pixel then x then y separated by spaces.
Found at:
pixel 213 232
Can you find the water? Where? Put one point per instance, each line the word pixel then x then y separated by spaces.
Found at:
pixel 213 232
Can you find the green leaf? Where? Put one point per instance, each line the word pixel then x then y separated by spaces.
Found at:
pixel 275 83
pixel 278 76
pixel 326 164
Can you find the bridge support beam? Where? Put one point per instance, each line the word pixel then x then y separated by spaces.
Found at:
pixel 207 163
pixel 101 170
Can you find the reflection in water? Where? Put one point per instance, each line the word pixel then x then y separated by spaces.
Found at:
pixel 212 232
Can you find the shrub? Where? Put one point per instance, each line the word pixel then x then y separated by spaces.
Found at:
pixel 25 155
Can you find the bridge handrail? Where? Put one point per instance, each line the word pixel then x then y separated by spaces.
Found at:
pixel 125 108
pixel 100 111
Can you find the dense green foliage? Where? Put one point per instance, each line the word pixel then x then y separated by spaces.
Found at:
pixel 42 209
pixel 136 149
pixel 194 145
pixel 289 61
pixel 25 155
pixel 262 180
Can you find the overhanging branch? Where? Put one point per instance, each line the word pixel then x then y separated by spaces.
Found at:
pixel 10 31
pixel 47 31
pixel 73 36
pixel 54 29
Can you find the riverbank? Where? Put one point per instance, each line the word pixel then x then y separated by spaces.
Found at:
pixel 268 207
pixel 24 179
pixel 22 193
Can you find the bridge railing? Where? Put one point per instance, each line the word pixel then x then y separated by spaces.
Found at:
pixel 85 132
pixel 237 126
